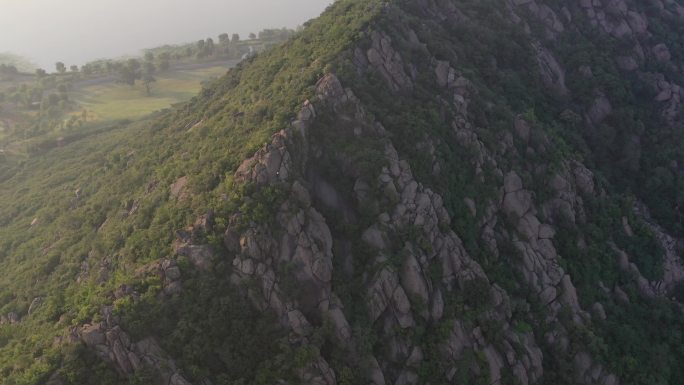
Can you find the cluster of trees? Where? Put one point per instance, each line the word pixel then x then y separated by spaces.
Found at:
pixel 62 69
pixel 48 99
pixel 9 69
pixel 47 93
pixel 274 34
pixel 134 70
pixel 227 46
pixel 36 95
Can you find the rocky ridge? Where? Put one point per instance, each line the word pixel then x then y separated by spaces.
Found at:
pixel 418 269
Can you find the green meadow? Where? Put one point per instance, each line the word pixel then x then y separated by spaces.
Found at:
pixel 110 100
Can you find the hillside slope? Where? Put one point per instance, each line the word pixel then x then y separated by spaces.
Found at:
pixel 406 192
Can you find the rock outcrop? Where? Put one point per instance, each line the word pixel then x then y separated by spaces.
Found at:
pixel 394 227
pixel 388 62
pixel 115 346
pixel 401 295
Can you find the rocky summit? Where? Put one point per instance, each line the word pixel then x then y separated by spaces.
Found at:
pixel 405 192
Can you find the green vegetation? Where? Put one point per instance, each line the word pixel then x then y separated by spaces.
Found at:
pixel 34 102
pixel 82 196
pixel 84 204
pixel 114 101
pixel 226 47
pixel 507 89
pixel 15 62
pixel 219 335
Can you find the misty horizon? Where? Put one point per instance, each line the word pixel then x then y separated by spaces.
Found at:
pixel 45 32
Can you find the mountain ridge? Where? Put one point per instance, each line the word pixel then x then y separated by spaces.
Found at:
pixel 428 211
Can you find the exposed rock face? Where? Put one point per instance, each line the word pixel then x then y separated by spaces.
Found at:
pixel 673 267
pixel 418 268
pixel 166 270
pixel 623 20
pixel 615 18
pixel 113 345
pixel 552 73
pixel 662 53
pixel 179 188
pixel 12 318
pixel 408 293
pixel 600 109
pixel 388 62
pixel 551 21
pixel 34 305
pixel 627 63
pixel 273 164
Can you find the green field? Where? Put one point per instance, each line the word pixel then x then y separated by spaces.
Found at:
pixel 98 102
pixel 114 101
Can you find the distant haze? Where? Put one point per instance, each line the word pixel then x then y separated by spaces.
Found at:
pixel 78 31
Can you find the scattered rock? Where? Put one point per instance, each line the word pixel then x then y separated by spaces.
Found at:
pixel 598 311
pixel 374 237
pixel 13 318
pixel 661 52
pixel 201 256
pixel 92 335
pixel 388 62
pixel 179 188
pixel 627 63
pixel 34 305
pixel 600 109
pixel 553 75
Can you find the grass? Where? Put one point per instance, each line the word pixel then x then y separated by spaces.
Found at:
pixel 114 101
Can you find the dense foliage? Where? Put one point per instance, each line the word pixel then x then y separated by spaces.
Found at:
pixel 77 221
pixel 99 206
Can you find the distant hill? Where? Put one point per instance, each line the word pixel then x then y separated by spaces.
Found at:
pixel 23 64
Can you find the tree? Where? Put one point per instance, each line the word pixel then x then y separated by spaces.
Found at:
pixel 252 36
pixel 130 72
pixel 61 68
pixel 4 68
pixel 133 64
pixel 40 72
pixel 164 61
pixel 223 38
pixel 236 38
pixel 63 91
pixel 74 68
pixel 149 56
pixel 148 76
pixel 52 100
pixel 164 65
pixel 201 49
pixel 205 48
pixel 209 47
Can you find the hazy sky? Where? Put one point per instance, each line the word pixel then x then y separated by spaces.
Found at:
pixel 76 31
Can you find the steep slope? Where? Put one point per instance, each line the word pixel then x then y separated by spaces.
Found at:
pixel 433 192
